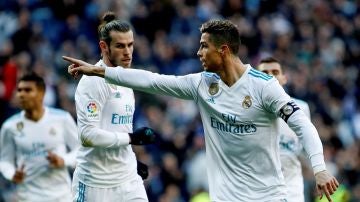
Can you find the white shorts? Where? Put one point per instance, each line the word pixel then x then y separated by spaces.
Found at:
pixel 132 191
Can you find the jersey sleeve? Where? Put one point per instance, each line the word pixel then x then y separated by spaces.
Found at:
pixel 183 87
pixel 7 153
pixel 309 138
pixel 71 140
pixel 274 96
pixel 279 102
pixel 90 98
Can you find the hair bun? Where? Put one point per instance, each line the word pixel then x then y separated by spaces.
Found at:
pixel 109 16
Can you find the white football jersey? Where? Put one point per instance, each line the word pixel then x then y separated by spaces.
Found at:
pixel 105 117
pixel 26 143
pixel 240 124
pixel 290 148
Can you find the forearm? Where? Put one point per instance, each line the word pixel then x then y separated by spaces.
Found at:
pixel 136 79
pixel 98 71
pixel 309 138
pixel 177 86
pixel 95 137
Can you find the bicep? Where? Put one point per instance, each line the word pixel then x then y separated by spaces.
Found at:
pixel 275 98
pixel 90 99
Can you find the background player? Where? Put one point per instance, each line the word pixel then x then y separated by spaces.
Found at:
pixel 290 146
pixel 107 166
pixel 33 146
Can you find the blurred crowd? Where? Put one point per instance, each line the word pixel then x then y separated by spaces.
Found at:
pixel 317 41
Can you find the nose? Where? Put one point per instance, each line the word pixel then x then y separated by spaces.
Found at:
pixel 198 53
pixel 127 51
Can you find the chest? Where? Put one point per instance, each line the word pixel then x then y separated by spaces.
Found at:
pixel 236 105
pixel 31 136
pixel 120 101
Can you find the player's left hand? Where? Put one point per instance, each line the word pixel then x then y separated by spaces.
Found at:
pixel 326 184
pixel 142 136
pixel 55 161
pixel 142 170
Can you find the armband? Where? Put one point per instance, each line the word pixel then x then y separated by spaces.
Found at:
pixel 287 110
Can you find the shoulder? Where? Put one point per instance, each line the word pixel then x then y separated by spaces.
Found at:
pixel 90 81
pixel 260 82
pixel 11 120
pixel 58 113
pixel 258 76
pixel 208 77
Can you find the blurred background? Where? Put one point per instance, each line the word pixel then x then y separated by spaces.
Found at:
pixel 317 41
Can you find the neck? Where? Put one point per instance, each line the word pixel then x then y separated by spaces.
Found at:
pixel 35 114
pixel 232 70
pixel 107 62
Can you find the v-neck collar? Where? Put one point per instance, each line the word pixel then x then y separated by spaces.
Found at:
pixel 238 82
pixel 32 121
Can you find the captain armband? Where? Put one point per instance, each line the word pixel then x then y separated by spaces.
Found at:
pixel 287 110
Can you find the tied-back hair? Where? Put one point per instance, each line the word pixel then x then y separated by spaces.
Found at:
pixel 110 23
pixel 222 32
pixel 33 77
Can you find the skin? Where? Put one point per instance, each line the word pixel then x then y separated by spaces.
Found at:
pixel 326 183
pixel 120 50
pixel 229 67
pixel 118 53
pixel 220 60
pixel 30 99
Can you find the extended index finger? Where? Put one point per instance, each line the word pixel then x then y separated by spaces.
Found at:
pixel 72 60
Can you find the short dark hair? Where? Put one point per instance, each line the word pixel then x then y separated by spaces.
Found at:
pixel 110 23
pixel 33 77
pixel 222 32
pixel 269 60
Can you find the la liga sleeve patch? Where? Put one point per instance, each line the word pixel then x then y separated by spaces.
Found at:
pixel 92 111
pixel 287 110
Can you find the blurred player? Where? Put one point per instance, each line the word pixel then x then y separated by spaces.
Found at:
pixel 106 164
pixel 239 107
pixel 290 146
pixel 33 146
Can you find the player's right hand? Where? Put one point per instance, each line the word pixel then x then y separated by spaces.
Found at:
pixel 78 67
pixel 142 136
pixel 19 175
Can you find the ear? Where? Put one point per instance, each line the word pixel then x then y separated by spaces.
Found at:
pixel 223 49
pixel 285 78
pixel 103 46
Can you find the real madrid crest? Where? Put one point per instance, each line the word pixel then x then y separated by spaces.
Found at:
pixel 214 88
pixel 247 102
pixel 20 126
